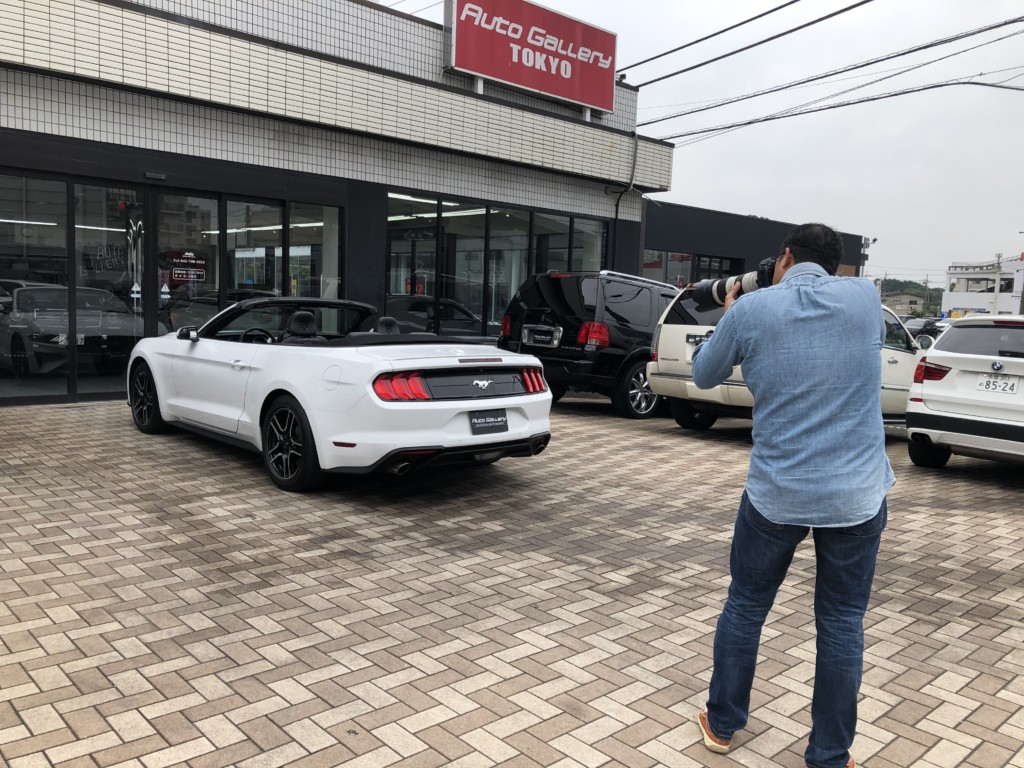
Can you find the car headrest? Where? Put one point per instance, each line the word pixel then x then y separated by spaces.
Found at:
pixel 387 325
pixel 302 323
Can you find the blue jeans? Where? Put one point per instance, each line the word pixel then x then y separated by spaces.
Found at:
pixel 761 554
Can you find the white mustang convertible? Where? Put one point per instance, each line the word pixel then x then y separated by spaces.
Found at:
pixel 300 381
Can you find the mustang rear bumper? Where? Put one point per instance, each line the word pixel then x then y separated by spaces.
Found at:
pixel 405 460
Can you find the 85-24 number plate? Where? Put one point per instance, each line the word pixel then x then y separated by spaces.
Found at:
pixel 997 382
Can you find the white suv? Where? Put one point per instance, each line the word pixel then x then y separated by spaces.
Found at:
pixel 683 326
pixel 967 395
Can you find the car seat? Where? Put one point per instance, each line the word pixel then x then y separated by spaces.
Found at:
pixel 387 325
pixel 301 329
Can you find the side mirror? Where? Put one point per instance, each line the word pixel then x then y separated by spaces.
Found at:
pixel 188 333
pixel 924 341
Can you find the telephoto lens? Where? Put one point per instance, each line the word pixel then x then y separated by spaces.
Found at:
pixel 711 293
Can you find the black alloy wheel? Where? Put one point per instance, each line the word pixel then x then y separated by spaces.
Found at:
pixel 688 418
pixel 144 402
pixel 289 452
pixel 633 396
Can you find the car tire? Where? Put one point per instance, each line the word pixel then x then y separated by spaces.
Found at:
pixel 632 396
pixel 557 392
pixel 19 358
pixel 688 418
pixel 928 455
pixel 289 451
pixel 144 400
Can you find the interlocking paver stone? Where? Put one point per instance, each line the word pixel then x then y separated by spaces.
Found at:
pixel 162 603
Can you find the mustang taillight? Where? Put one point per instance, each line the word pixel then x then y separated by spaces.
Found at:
pixel 533 380
pixel 506 326
pixel 593 333
pixel 401 386
pixel 926 371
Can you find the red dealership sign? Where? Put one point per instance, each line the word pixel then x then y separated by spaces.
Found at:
pixel 528 46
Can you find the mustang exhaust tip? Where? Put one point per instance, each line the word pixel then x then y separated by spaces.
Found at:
pixel 400 468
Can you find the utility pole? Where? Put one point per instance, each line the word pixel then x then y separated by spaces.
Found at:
pixel 926 296
pixel 995 305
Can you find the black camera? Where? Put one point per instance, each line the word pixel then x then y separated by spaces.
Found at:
pixel 710 293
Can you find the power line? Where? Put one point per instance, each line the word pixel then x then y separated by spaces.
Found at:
pixel 755 45
pixel 842 70
pixel 427 8
pixel 708 37
pixel 865 100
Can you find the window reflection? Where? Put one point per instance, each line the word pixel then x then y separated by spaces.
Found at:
pixel 313 257
pixel 588 245
pixel 551 242
pixel 187 237
pixel 254 248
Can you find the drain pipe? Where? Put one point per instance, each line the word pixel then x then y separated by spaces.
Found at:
pixel 618 200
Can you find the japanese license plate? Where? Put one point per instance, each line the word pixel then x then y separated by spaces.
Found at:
pixel 997 382
pixel 488 422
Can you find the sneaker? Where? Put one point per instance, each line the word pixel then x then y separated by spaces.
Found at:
pixel 712 742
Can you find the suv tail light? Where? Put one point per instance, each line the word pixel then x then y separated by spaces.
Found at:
pixel 506 326
pixel 926 371
pixel 400 386
pixel 533 380
pixel 654 344
pixel 593 333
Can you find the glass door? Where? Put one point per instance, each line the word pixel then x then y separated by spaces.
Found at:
pixel 105 312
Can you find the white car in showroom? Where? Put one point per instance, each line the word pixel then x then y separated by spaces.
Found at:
pixel 301 381
pixel 968 393
pixel 685 323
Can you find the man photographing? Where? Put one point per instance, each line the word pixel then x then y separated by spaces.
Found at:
pixel 818 465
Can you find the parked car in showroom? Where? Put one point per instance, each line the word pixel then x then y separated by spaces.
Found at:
pixel 34 330
pixel 417 312
pixel 685 324
pixel 967 395
pixel 926 326
pixel 592 331
pixel 293 379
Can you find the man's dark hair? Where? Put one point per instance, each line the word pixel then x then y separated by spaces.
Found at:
pixel 816 243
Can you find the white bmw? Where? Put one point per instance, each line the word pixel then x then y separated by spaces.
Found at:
pixel 296 380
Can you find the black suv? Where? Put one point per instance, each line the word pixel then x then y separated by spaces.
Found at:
pixel 592 331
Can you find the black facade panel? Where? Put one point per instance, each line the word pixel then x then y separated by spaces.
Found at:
pixel 683 228
pixel 366 241
pixel 626 250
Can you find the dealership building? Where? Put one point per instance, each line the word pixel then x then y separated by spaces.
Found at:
pixel 162 157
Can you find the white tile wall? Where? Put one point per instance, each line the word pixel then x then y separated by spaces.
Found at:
pixel 173 57
pixel 61 107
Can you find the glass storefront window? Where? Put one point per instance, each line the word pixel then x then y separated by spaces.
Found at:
pixel 588 245
pixel 509 249
pixel 314 267
pixel 668 267
pixel 187 260
pixel 412 246
pixel 551 242
pixel 254 249
pixel 108 302
pixel 463 228
pixel 33 257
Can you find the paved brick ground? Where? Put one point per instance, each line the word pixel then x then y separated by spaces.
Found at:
pixel 161 603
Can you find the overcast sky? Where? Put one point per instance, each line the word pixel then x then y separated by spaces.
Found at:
pixel 936 177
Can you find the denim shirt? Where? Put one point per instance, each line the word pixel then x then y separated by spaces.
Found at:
pixel 810 349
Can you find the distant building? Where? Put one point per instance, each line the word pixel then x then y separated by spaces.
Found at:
pixel 904 303
pixel 990 287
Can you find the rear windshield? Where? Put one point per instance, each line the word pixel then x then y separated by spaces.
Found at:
pixel 991 340
pixel 573 295
pixel 684 311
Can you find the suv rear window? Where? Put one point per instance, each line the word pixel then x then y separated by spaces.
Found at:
pixel 992 340
pixel 571 295
pixel 627 303
pixel 685 312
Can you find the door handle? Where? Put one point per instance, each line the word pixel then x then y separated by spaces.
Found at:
pixel 892 361
pixel 237 364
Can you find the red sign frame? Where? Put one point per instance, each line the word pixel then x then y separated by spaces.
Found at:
pixel 528 46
